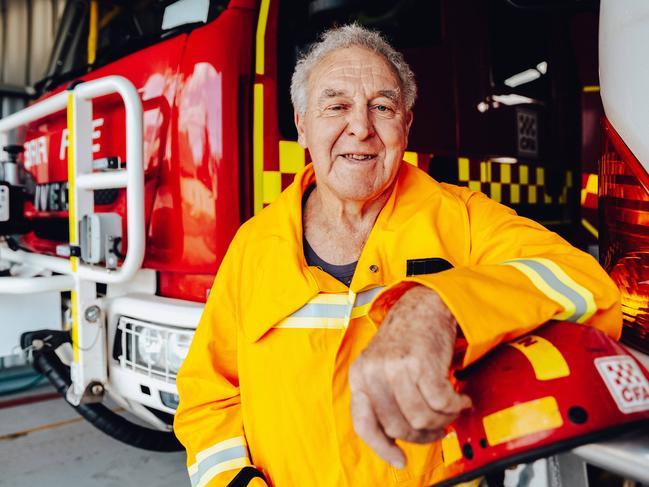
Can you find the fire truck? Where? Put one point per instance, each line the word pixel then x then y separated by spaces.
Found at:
pixel 161 126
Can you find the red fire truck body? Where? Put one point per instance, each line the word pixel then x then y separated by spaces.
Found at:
pixel 191 94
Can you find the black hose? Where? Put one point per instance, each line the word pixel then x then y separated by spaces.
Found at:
pixel 48 363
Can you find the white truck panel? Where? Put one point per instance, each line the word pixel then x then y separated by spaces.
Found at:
pixel 624 71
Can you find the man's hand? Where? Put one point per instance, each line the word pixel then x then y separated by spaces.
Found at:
pixel 399 383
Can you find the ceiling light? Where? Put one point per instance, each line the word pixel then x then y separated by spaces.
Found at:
pixel 512 99
pixel 504 160
pixel 522 78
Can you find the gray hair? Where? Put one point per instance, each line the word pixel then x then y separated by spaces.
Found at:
pixel 343 37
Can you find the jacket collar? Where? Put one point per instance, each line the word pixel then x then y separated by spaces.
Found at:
pixel 282 282
pixel 412 188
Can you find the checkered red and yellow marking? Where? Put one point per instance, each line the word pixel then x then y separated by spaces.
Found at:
pixel 512 184
pixel 292 158
pixel 589 195
pixel 589 191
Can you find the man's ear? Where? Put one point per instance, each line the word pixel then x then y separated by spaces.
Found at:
pixel 409 117
pixel 299 124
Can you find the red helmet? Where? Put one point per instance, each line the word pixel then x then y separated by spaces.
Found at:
pixel 561 386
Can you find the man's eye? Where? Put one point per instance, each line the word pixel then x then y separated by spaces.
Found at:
pixel 336 108
pixel 382 108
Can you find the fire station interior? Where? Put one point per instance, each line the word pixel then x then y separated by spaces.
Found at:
pixel 467 56
pixel 508 104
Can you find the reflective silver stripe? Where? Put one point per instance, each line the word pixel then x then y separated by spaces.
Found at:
pixel 363 300
pixel 320 310
pixel 548 277
pixel 331 311
pixel 237 452
pixel 366 297
pixel 316 310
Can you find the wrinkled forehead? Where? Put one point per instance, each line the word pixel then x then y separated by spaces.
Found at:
pixel 350 68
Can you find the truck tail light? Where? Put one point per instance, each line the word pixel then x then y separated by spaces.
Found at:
pixel 624 233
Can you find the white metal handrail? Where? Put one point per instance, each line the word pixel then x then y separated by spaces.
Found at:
pixel 627 455
pixel 39 110
pixel 131 178
pixel 31 285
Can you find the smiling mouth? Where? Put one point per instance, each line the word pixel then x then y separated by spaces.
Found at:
pixel 359 157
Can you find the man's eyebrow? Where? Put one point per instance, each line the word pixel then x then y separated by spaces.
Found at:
pixel 392 95
pixel 328 93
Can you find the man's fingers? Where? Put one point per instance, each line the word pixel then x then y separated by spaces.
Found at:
pixel 441 397
pixel 399 384
pixel 422 418
pixel 374 383
pixel 412 404
pixel 427 436
pixel 367 427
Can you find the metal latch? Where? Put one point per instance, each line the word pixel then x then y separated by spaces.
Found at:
pixel 100 236
pixel 107 163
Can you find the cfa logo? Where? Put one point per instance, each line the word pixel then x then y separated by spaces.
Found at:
pixel 635 393
pixel 625 381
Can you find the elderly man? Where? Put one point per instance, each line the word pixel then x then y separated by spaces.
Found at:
pixel 324 351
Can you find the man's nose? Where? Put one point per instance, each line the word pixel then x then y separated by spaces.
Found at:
pixel 360 123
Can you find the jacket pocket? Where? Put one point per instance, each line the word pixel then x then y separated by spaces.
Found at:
pixel 423 460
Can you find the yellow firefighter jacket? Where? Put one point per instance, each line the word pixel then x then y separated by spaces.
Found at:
pixel 265 381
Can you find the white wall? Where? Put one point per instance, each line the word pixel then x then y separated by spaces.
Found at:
pixel 27 30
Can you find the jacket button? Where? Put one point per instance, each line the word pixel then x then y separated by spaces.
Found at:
pixel 374 268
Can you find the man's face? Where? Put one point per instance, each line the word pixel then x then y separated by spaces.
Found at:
pixel 356 126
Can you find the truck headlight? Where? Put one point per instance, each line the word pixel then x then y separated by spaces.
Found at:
pixel 161 349
pixel 150 347
pixel 155 348
pixel 177 348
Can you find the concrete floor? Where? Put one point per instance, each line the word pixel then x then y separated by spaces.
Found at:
pixel 48 443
